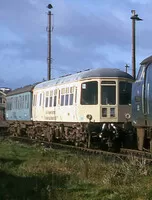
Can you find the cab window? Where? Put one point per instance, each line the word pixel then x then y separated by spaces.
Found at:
pixel 124 93
pixel 141 72
pixel 89 93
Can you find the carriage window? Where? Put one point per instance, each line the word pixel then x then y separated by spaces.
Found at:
pixel 108 92
pixel 124 93
pixel 66 99
pixel 141 72
pixel 54 103
pixel 62 100
pixel 21 102
pixel 71 99
pixel 58 97
pixel 50 103
pixel 46 101
pixel 9 104
pixel 89 93
pixel 26 101
pixel 40 100
pixel 51 98
pixel 71 95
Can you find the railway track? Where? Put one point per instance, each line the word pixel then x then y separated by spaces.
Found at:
pixel 123 155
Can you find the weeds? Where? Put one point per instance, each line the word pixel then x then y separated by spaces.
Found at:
pixel 34 172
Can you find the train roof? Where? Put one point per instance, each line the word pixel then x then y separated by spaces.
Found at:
pixel 94 73
pixel 147 60
pixel 27 88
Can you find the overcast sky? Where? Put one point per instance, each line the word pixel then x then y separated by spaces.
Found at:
pixel 87 34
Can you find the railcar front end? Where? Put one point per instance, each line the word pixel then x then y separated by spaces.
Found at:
pixel 142 105
pixel 92 106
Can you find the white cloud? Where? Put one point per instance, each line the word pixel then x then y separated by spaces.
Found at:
pixel 86 34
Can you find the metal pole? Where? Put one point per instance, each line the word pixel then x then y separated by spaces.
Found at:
pixel 133 50
pixel 134 18
pixel 49 45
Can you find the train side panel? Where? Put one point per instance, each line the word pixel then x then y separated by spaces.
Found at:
pixel 57 103
pixel 19 107
pixel 74 102
pixel 63 104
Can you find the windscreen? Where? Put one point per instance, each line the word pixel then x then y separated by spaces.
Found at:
pixel 89 93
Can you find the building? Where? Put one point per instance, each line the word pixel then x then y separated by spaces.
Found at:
pixel 3 92
pixel 5 89
pixel 2 105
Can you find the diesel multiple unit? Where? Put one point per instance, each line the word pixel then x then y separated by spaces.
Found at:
pixel 86 108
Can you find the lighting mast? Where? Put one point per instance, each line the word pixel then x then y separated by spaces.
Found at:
pixel 134 18
pixel 49 30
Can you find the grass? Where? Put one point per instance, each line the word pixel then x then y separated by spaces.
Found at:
pixel 33 172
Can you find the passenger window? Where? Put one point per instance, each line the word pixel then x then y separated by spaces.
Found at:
pixel 50 103
pixel 26 101
pixel 71 99
pixel 54 103
pixel 40 100
pixel 51 98
pixel 62 100
pixel 66 99
pixel 59 97
pixel 46 102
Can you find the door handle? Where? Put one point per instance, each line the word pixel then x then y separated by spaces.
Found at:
pixel 148 98
pixel 143 98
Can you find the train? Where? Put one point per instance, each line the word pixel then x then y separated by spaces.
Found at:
pixel 101 108
pixel 142 105
pixel 90 109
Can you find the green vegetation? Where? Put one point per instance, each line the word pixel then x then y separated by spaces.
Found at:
pixel 33 172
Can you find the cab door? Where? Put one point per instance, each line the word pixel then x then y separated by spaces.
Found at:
pixel 148 95
pixel 139 108
pixel 108 101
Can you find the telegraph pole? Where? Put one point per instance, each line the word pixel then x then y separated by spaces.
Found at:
pixel 49 30
pixel 134 18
